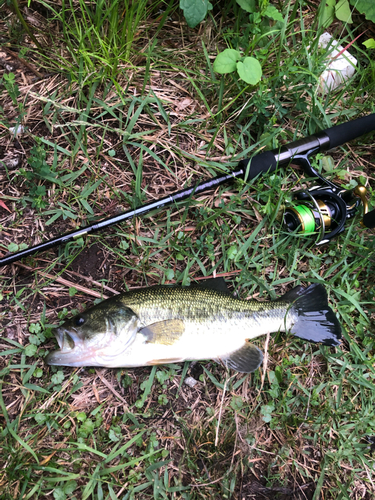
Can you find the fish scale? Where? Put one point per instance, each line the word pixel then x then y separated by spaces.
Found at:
pixel 196 304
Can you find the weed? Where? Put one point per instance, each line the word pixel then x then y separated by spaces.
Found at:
pixel 249 69
pixel 40 171
pixel 101 37
pixel 194 11
pixel 9 82
pixel 341 9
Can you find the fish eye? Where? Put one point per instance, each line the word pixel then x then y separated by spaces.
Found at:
pixel 79 321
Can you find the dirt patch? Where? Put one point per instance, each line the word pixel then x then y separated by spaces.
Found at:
pixel 90 263
pixel 255 489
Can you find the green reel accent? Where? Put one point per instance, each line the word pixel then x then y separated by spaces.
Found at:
pixel 306 217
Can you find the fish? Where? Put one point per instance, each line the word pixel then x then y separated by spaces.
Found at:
pixel 171 324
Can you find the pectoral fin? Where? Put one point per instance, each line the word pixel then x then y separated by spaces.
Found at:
pixel 246 359
pixel 163 332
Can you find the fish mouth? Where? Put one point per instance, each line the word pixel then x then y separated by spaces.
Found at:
pixel 68 340
pixel 65 339
pixel 71 352
pixel 78 350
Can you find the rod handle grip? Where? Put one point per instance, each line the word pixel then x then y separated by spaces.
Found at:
pixel 348 131
pixel 262 163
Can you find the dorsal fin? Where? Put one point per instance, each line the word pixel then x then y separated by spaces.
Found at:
pixel 218 284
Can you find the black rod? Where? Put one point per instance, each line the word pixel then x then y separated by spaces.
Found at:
pixel 247 169
pixel 128 214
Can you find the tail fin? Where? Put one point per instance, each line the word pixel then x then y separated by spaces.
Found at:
pixel 316 321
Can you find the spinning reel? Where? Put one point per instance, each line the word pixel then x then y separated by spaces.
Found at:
pixel 324 209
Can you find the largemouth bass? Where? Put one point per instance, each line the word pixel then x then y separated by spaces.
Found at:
pixel 165 324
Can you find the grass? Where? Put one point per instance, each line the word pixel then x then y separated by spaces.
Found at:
pixel 125 120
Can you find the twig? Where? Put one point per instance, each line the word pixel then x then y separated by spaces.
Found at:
pixel 65 282
pixel 112 389
pixel 221 409
pixel 25 63
pixel 265 361
pixel 207 484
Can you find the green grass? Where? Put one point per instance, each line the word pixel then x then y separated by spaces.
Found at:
pixel 134 114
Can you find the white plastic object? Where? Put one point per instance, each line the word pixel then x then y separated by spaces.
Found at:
pixel 18 130
pixel 190 381
pixel 338 68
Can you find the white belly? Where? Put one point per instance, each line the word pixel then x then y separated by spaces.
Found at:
pixel 199 341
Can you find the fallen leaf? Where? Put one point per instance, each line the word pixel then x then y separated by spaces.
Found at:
pixel 183 104
pixel 2 204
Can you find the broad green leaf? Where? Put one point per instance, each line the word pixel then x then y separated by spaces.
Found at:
pixel 369 44
pixel 58 377
pixel 250 70
pixel 33 339
pixel 327 12
pixel 12 247
pixel 40 418
pixel 195 11
pixel 247 5
pixel 343 12
pixel 169 274
pixel 273 13
pixel 366 7
pixel 86 428
pixel 226 61
pixel 232 252
pixel 267 410
pixel 58 493
pixel 35 328
pixel 30 350
pixel 81 416
pixel 113 436
pixel 70 487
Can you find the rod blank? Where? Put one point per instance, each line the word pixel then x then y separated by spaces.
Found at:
pixel 264 162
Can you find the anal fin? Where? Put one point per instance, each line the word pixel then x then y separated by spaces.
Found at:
pixel 163 332
pixel 165 361
pixel 246 359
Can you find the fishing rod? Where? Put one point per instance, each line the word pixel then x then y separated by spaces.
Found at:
pixel 326 208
